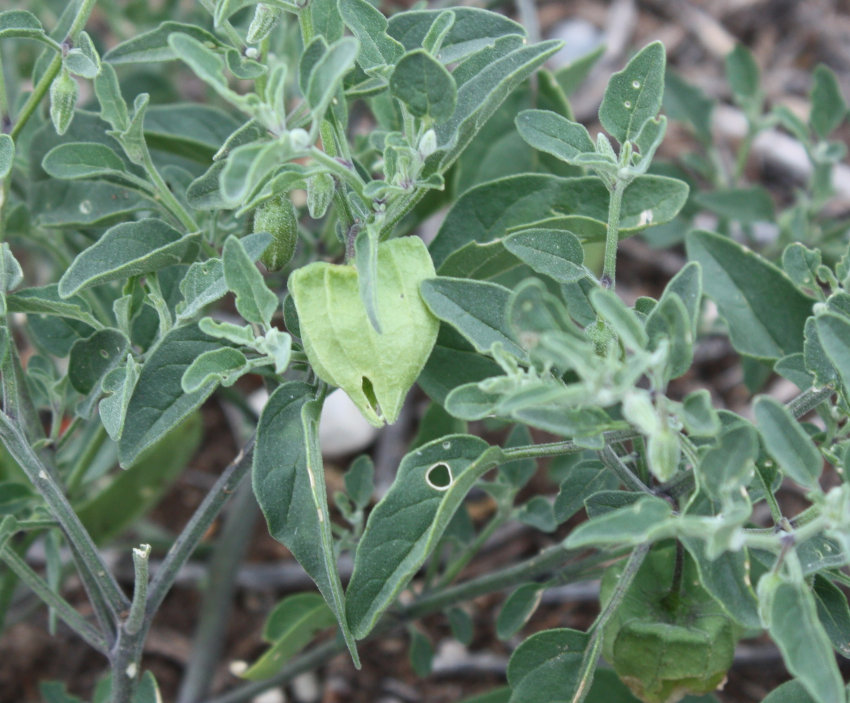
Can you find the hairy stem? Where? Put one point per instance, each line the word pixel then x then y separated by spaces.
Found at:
pixel 612 234
pixel 41 478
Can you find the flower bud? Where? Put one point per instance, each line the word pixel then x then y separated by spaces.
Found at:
pixel 264 20
pixel 277 217
pixel 63 100
pixel 663 452
pixel 428 144
pixel 320 192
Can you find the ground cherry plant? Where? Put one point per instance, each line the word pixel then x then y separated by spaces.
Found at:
pixel 289 195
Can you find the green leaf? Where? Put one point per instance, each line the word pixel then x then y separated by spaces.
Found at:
pixel 158 402
pixel 517 609
pixel 204 282
pixel 375 370
pixel 113 108
pixel 490 210
pixel 583 481
pixel 632 524
pixel 289 628
pixel 194 131
pixel 81 204
pixel 688 103
pixel 473 29
pixel 20 23
pixel 461 625
pixel 729 465
pixel 669 322
pixel 742 72
pixel 547 666
pixel 254 301
pixel 554 253
pixel 421 653
pixel 153 46
pixel 222 366
pixel 828 105
pixel 453 362
pixel 128 249
pixel 82 160
pixel 790 692
pixel 369 25
pixel 326 19
pixel 132 493
pixel 327 74
pixel 7 155
pixel 360 481
pixel 633 96
pixel 118 384
pixel 623 320
pixel 424 85
pixel 208 65
pixel 477 309
pixel 727 578
pixel 833 332
pixel 479 97
pixel 745 287
pixel 366 262
pixel 553 134
pixel 92 358
pixel 405 526
pixel 289 483
pixel 698 414
pixel 745 205
pixel 788 443
pixel 833 613
pixel 789 612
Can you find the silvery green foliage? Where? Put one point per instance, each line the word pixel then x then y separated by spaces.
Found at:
pixel 247 234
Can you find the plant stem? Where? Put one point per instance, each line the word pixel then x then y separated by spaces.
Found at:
pixel 198 524
pixel 40 90
pixel 456 566
pixel 166 196
pixel 61 607
pixel 218 596
pixel 348 175
pixel 612 234
pixel 591 652
pixel 135 619
pixel 38 474
pixel 609 457
pixel 536 451
pixel 554 557
pixel 83 462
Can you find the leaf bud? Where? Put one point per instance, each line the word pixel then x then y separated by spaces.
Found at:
pixel 264 20
pixel 277 217
pixel 63 100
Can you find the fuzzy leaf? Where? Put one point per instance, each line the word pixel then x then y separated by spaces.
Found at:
pixel 128 249
pixel 289 483
pixel 633 96
pixel 405 526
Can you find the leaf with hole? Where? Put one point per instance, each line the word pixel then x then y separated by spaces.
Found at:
pixel 405 526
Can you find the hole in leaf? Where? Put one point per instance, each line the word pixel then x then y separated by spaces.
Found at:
pixel 369 392
pixel 439 476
